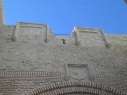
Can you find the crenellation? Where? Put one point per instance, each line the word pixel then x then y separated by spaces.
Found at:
pixel 83 37
pixel 89 63
pixel 75 36
pixel 29 31
pixel 88 37
pixel 32 57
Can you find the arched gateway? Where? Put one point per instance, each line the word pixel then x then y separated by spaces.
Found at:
pixel 76 88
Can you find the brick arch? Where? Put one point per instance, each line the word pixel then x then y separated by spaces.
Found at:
pixel 76 88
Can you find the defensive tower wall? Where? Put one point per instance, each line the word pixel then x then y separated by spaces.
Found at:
pixel 42 33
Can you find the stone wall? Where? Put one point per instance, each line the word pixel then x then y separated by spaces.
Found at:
pixel 117 40
pixel 109 65
pixel 31 32
pixel 89 37
pixel 39 33
pixel 1 13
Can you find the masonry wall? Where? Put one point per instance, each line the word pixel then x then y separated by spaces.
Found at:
pixel 1 13
pixel 39 33
pixel 24 55
pixel 29 32
pixel 90 39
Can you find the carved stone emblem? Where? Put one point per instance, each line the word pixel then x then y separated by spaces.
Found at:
pixel 79 72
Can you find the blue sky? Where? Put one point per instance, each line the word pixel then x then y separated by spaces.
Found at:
pixel 63 15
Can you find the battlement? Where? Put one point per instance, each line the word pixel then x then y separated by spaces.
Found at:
pixel 89 37
pixel 30 25
pixel 85 37
pixel 85 30
pixel 38 49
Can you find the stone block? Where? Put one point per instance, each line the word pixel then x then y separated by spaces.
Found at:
pixel 90 37
pixel 79 72
pixel 30 32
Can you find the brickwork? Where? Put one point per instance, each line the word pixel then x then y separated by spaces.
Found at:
pixel 33 48
pixel 78 88
pixel 109 65
pixel 17 83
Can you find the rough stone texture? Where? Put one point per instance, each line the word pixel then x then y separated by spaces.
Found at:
pixel 29 32
pixel 91 39
pixel 118 40
pixel 80 72
pixel 68 40
pixel 110 64
pixel 88 37
pixel 1 13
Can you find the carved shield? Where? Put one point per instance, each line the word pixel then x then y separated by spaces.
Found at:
pixel 78 71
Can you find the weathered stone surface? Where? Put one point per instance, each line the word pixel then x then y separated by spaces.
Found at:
pixel 109 64
pixel 30 32
pixel 1 13
pixel 88 37
pixel 80 72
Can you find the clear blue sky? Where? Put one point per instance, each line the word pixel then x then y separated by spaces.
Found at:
pixel 63 15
